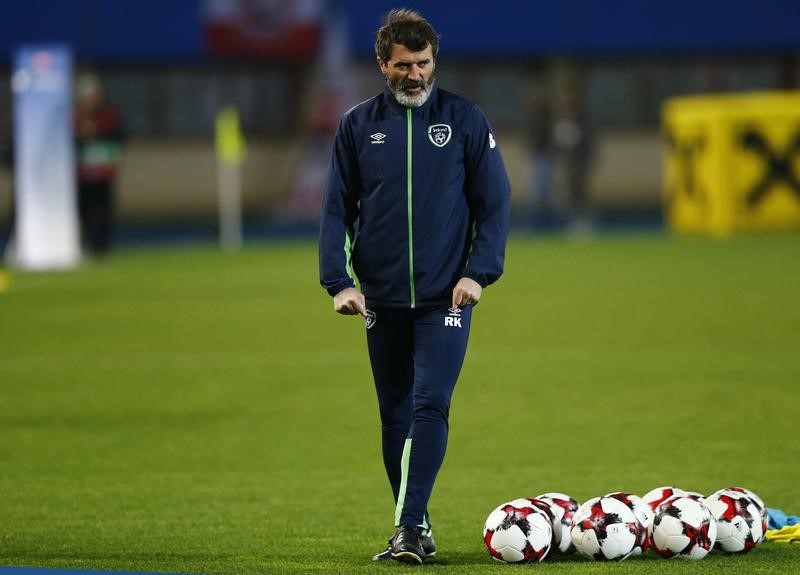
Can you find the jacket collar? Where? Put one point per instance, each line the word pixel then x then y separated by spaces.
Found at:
pixel 392 101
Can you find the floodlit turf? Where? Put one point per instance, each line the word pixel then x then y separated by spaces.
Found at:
pixel 182 410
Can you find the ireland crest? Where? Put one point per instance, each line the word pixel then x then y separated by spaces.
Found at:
pixel 439 134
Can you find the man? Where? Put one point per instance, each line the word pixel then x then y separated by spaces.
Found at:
pixel 99 135
pixel 417 199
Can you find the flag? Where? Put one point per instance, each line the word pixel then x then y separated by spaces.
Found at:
pixel 230 144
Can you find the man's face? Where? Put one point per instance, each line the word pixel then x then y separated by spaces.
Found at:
pixel 409 74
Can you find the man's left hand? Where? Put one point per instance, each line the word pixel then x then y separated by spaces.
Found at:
pixel 466 292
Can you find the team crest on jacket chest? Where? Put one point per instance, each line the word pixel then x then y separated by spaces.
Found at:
pixel 439 134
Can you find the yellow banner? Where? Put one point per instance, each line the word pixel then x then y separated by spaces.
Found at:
pixel 732 162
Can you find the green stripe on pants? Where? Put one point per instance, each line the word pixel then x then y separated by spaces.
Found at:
pixel 401 496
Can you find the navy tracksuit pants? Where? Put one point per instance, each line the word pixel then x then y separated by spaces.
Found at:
pixel 416 357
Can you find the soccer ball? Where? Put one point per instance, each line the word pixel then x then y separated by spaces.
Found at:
pixel 739 522
pixel 642 512
pixel 687 494
pixel 759 503
pixel 605 529
pixel 518 532
pixel 658 495
pixel 683 527
pixel 751 494
pixel 564 507
pixel 551 516
pixel 692 495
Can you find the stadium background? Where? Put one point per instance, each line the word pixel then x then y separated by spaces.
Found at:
pixel 175 408
pixel 171 66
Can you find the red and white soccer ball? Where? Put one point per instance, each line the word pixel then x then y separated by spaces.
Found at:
pixel 692 495
pixel 759 503
pixel 687 494
pixel 564 507
pixel 518 532
pixel 657 496
pixel 642 512
pixel 751 494
pixel 605 529
pixel 683 527
pixel 740 526
pixel 544 507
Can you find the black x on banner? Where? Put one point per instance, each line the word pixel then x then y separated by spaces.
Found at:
pixel 777 165
pixel 686 152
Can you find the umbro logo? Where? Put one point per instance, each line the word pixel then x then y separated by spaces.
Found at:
pixel 377 138
pixel 453 319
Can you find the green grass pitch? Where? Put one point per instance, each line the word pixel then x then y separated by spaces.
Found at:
pixel 181 410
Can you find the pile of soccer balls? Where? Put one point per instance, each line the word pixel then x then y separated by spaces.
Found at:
pixel 675 523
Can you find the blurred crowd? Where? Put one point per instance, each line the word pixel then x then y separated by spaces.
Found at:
pixel 559 138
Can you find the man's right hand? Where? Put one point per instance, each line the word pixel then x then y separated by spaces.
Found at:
pixel 350 301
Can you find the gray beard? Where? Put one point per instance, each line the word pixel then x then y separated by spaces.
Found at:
pixel 414 100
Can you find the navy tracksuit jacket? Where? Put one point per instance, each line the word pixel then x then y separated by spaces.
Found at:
pixel 416 199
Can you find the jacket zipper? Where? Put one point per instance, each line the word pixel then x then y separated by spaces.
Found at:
pixel 410 227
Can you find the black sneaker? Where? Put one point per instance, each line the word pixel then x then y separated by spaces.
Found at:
pixel 385 555
pixel 427 542
pixel 406 545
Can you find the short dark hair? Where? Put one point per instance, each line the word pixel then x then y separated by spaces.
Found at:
pixel 407 28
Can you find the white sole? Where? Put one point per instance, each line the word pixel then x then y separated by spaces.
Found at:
pixel 407 557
